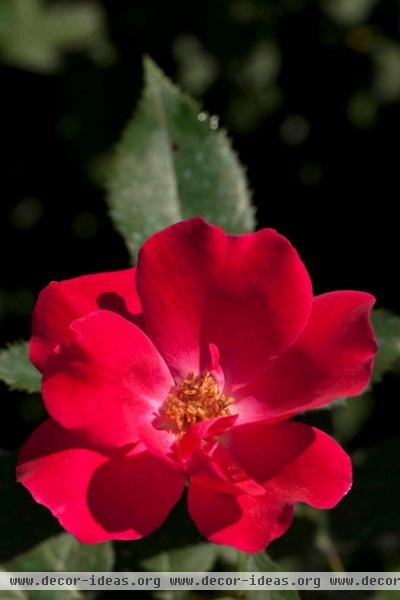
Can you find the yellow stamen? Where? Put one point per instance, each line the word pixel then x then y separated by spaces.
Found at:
pixel 196 398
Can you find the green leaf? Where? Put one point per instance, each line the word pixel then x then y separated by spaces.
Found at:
pixel 197 557
pixel 16 370
pixel 7 14
pixel 228 557
pixel 386 594
pixel 62 553
pixel 261 562
pixel 387 330
pixel 172 164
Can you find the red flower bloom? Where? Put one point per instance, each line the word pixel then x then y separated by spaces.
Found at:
pixel 188 368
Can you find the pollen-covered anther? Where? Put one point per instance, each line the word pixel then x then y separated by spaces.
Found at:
pixel 195 399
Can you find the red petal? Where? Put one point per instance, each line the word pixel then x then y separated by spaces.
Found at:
pixel 319 476
pixel 248 523
pixel 97 498
pixel 107 381
pixel 57 470
pixel 332 358
pixel 134 493
pixel 221 472
pixel 200 437
pixel 249 295
pixel 295 461
pixel 61 303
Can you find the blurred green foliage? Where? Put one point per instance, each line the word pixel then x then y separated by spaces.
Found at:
pixel 387 330
pixel 62 553
pixel 35 35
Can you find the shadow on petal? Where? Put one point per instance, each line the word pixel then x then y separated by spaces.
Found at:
pixel 134 493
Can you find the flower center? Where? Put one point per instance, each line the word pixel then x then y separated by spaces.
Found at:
pixel 196 398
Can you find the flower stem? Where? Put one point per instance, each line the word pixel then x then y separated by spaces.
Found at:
pixel 327 546
pixel 325 542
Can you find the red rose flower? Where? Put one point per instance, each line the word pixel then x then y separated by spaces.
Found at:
pixel 188 368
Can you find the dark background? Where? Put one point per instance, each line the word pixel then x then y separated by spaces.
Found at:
pixel 311 97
